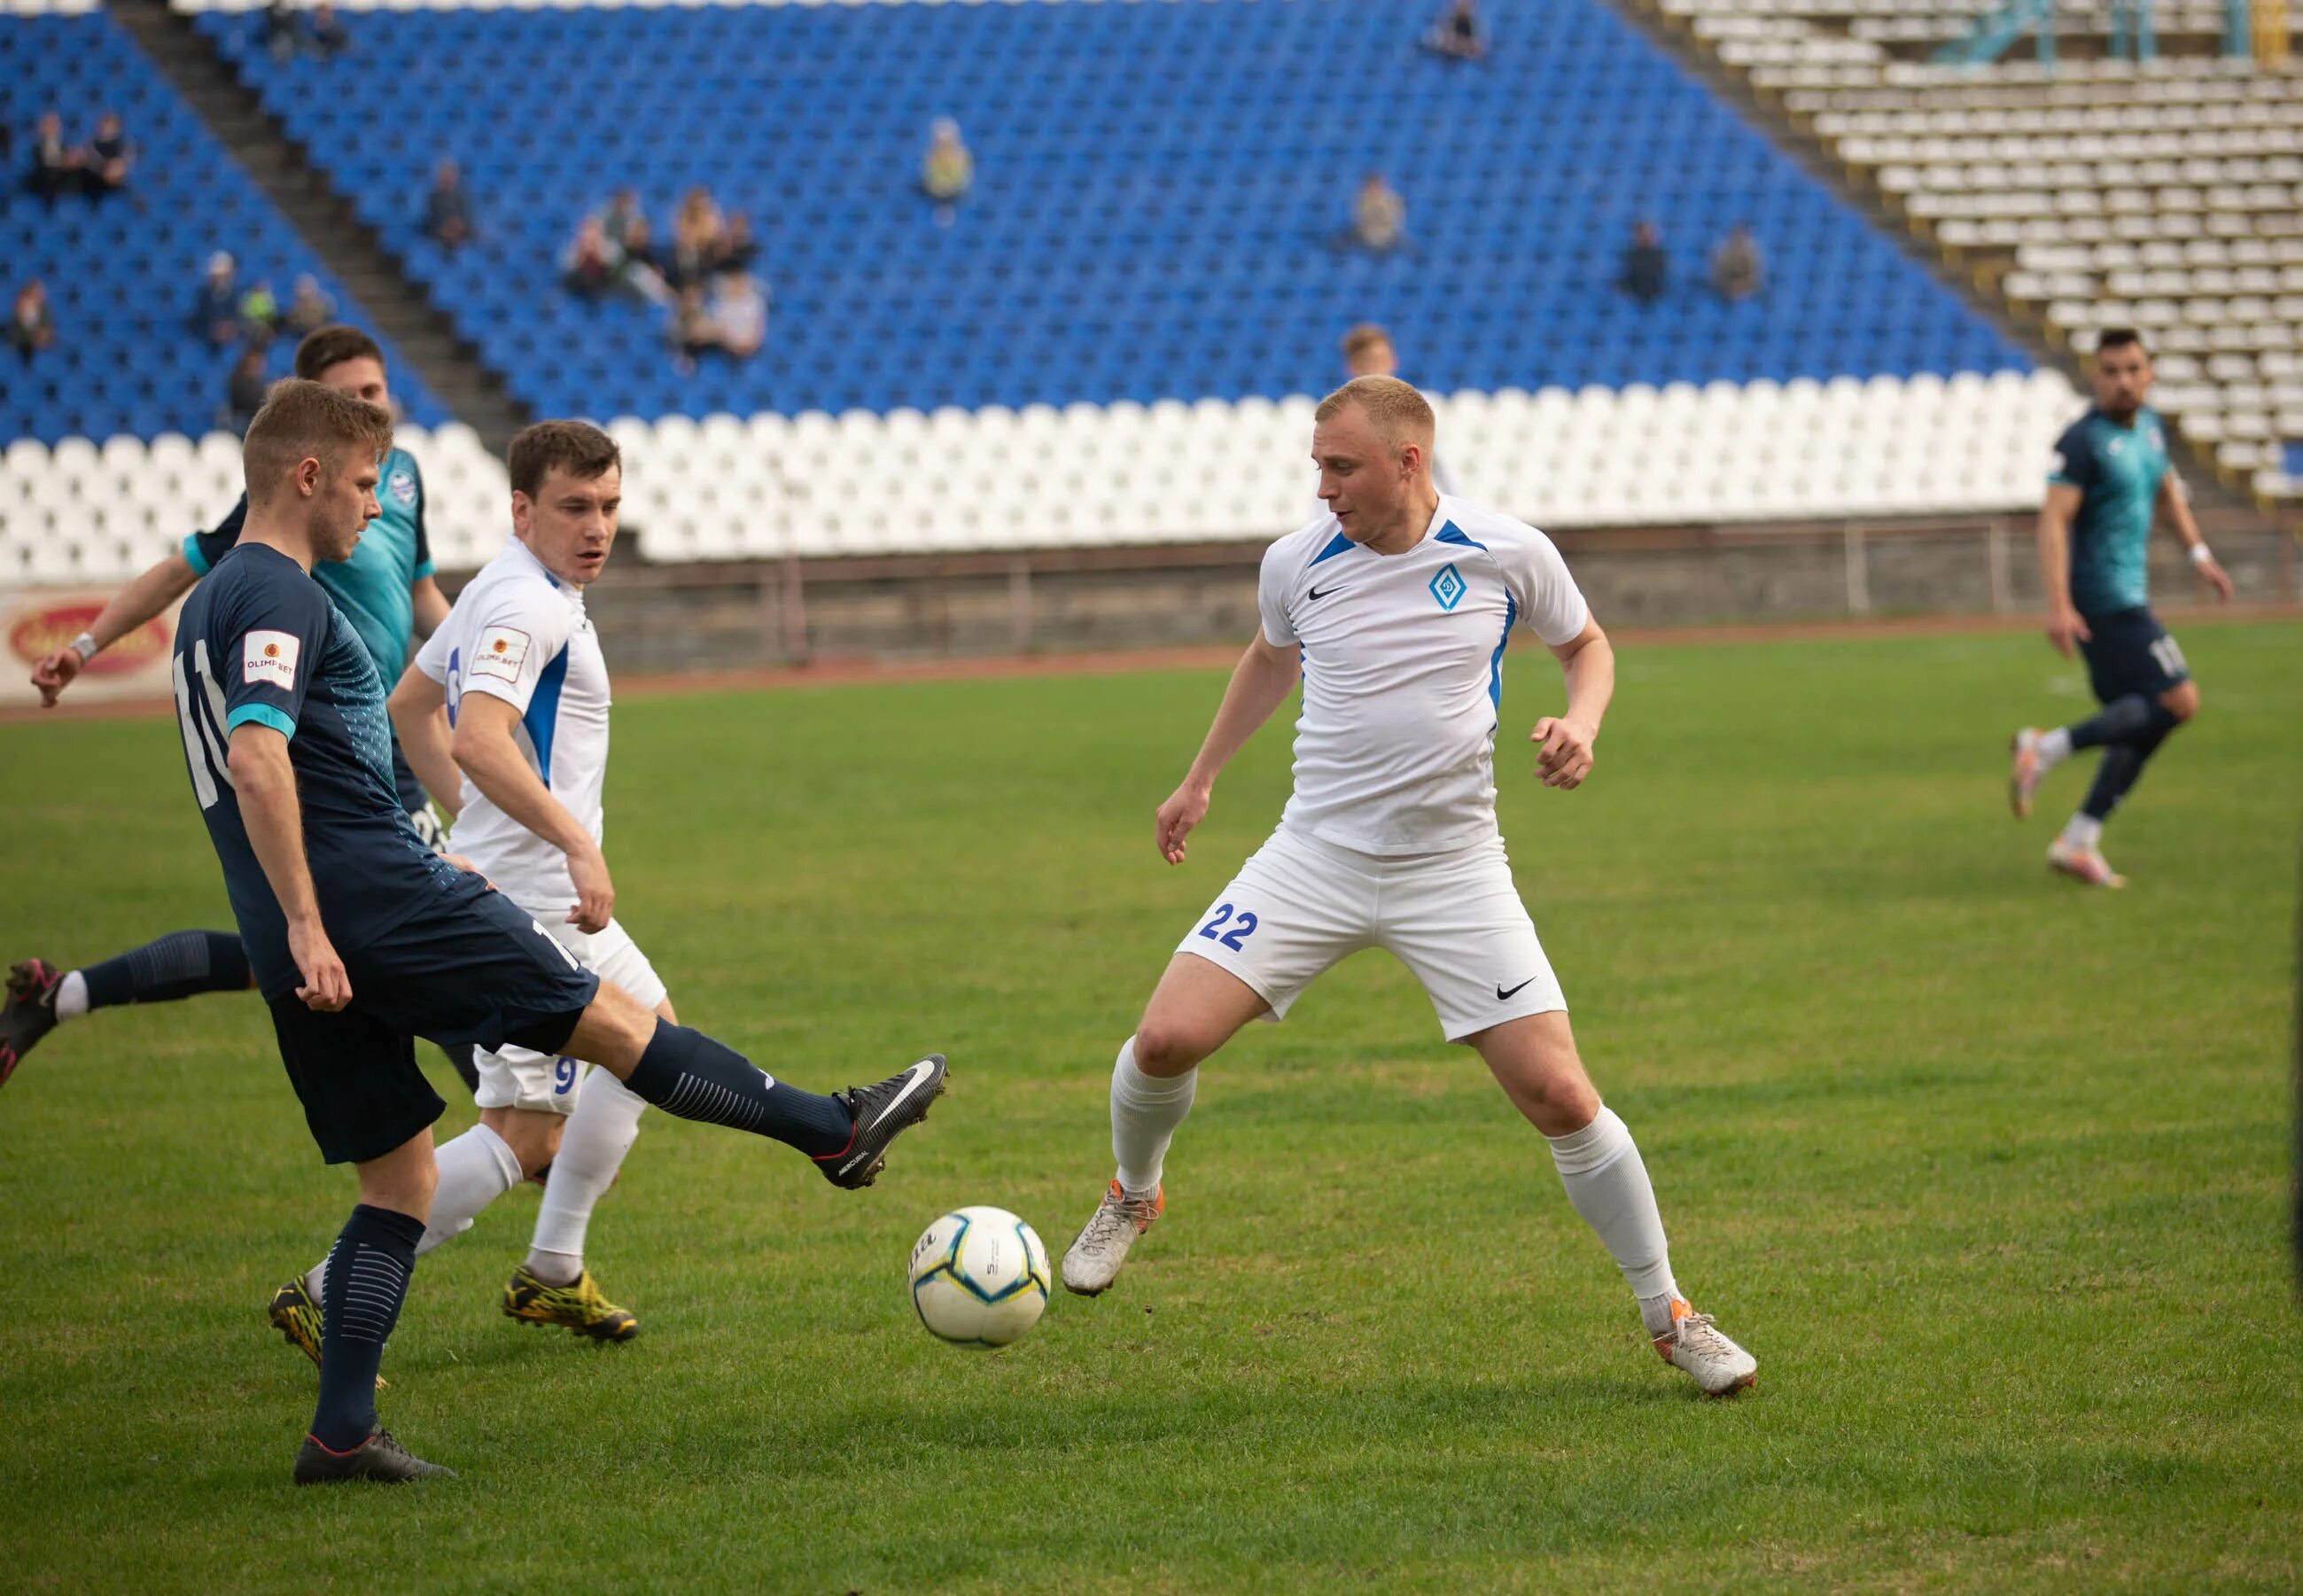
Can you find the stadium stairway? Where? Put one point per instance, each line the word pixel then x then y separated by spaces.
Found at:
pixel 2168 196
pixel 420 335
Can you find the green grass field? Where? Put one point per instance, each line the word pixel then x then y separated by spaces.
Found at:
pixel 1990 1172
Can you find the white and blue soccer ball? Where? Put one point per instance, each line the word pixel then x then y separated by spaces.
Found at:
pixel 979 1278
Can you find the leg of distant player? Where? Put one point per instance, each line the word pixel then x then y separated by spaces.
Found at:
pixel 1196 1008
pixel 1535 1061
pixel 183 964
pixel 2130 730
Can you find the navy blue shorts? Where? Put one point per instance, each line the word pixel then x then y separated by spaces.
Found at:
pixel 470 967
pixel 2130 652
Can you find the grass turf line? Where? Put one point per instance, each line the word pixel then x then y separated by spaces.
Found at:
pixel 1989 1171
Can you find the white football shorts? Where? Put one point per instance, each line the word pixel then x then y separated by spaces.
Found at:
pixel 1299 906
pixel 514 1078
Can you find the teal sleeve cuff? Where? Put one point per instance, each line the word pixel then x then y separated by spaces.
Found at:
pixel 193 557
pixel 262 714
pixel 425 570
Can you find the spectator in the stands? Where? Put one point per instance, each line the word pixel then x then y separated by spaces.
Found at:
pixel 739 314
pixel 328 35
pixel 593 264
pixel 57 165
pixel 244 390
pixel 283 30
pixel 1737 272
pixel 1646 269
pixel 31 327
pixel 691 330
pixel 1458 36
pixel 110 156
pixel 643 272
pixel 260 315
pixel 447 209
pixel 216 312
pixel 620 215
pixel 737 248
pixel 310 307
pixel 1379 215
pixel 947 170
pixel 695 233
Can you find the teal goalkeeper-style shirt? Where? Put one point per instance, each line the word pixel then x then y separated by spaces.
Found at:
pixel 2118 470
pixel 371 588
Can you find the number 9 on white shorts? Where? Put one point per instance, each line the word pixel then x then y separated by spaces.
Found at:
pixel 516 1078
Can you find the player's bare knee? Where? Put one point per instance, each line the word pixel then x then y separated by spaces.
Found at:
pixel 1561 1103
pixel 1165 1048
pixel 2182 701
pixel 533 1138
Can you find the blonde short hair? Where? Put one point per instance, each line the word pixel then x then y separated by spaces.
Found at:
pixel 1399 414
pixel 303 419
pixel 1364 338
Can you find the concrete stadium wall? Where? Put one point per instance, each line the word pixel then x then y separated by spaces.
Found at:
pixel 731 617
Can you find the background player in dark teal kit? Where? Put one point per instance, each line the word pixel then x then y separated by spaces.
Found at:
pixel 386 592
pixel 2111 478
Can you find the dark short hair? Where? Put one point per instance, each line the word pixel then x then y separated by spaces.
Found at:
pixel 301 419
pixel 2120 338
pixel 324 347
pixel 1364 338
pixel 577 447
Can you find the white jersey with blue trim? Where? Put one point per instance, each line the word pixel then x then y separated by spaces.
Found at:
pixel 1403 671
pixel 518 633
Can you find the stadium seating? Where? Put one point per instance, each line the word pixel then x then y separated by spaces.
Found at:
pixel 2168 197
pixel 103 468
pixel 1144 275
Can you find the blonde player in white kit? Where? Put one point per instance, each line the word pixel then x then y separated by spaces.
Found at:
pixel 507 708
pixel 1395 608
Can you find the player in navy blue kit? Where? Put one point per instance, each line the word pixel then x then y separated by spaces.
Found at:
pixel 387 592
pixel 360 937
pixel 2111 476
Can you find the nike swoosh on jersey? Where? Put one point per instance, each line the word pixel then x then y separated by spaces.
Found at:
pixel 1505 997
pixel 1315 594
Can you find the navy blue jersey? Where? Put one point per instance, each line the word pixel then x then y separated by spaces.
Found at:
pixel 259 641
pixel 394 553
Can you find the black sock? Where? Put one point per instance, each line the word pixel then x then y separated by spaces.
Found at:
pixel 2122 720
pixel 182 964
pixel 686 1074
pixel 367 1279
pixel 2120 768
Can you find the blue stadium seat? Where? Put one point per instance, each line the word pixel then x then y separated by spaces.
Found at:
pixel 120 270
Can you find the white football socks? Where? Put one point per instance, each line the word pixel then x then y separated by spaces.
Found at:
pixel 71 996
pixel 2054 747
pixel 476 1169
pixel 1145 1111
pixel 1608 1186
pixel 592 1148
pixel 2083 831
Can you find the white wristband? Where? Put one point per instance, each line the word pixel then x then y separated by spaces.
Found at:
pixel 85 646
pixel 2201 554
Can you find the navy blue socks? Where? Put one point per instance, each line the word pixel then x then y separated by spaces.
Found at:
pixel 2117 771
pixel 686 1074
pixel 183 964
pixel 2122 721
pixel 367 1282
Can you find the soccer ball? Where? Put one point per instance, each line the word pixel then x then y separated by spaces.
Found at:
pixel 979 1278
